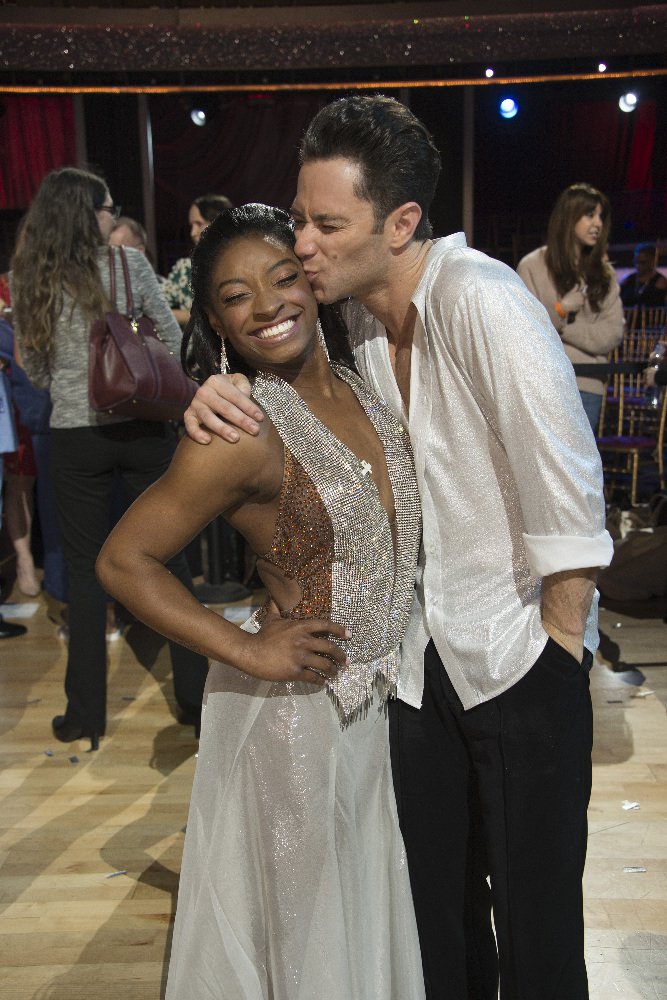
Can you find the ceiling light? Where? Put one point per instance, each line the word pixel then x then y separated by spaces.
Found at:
pixel 628 102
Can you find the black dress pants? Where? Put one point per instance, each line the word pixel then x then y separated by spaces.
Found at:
pixel 498 791
pixel 84 461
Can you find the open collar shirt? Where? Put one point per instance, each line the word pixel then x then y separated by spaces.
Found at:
pixel 509 475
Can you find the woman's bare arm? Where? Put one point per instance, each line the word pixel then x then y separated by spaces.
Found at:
pixel 199 485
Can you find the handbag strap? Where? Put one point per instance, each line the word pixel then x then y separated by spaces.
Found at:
pixel 129 305
pixel 112 278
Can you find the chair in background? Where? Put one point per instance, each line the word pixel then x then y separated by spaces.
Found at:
pixel 623 452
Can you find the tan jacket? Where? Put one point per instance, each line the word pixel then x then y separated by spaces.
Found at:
pixel 591 336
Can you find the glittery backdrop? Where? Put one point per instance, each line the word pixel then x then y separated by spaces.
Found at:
pixel 296 45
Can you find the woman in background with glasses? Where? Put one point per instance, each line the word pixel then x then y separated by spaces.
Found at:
pixel 60 286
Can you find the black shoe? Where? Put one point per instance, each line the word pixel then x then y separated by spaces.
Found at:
pixel 8 630
pixel 67 732
pixel 189 717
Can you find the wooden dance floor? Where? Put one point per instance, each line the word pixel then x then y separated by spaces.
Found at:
pixel 90 843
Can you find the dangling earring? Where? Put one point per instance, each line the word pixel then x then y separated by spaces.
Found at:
pixel 323 343
pixel 224 366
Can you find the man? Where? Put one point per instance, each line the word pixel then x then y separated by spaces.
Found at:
pixel 491 737
pixel 128 232
pixel 645 286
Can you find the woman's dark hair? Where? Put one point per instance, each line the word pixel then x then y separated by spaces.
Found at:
pixel 397 158
pixel 200 349
pixel 211 205
pixel 565 264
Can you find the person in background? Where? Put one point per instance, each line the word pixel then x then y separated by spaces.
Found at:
pixel 20 476
pixel 33 408
pixel 203 211
pixel 645 286
pixel 574 281
pixel 60 285
pixel 8 444
pixel 127 232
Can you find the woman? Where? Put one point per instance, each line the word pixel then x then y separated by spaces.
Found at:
pixel 574 281
pixel 60 285
pixel 294 882
pixel 203 211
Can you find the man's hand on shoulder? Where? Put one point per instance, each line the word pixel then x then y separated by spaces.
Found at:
pixel 221 405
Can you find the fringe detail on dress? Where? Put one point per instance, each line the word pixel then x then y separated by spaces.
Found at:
pixel 351 691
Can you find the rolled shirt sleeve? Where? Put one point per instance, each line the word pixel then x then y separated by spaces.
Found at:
pixel 525 386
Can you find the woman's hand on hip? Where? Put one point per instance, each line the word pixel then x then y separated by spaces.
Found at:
pixel 287 649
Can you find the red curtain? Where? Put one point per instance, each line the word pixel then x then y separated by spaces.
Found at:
pixel 617 153
pixel 38 136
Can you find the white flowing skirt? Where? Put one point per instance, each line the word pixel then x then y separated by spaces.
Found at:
pixel 294 883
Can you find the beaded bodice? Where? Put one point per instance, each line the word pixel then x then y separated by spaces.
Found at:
pixel 334 537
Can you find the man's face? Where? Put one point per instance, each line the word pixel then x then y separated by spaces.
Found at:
pixel 341 254
pixel 644 261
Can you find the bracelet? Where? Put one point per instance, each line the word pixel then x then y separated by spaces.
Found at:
pixel 561 312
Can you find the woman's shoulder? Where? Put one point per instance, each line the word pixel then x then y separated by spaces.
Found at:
pixel 533 259
pixel 254 463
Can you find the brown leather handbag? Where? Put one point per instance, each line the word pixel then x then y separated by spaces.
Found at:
pixel 131 372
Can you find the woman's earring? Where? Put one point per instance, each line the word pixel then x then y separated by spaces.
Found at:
pixel 224 366
pixel 323 343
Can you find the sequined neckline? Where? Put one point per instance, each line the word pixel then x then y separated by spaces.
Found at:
pixel 355 463
pixel 371 580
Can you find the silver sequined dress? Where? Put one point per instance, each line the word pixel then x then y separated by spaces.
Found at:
pixel 294 882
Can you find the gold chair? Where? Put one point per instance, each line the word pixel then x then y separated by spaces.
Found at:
pixel 622 453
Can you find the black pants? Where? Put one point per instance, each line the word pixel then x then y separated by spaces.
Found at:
pixel 84 461
pixel 501 791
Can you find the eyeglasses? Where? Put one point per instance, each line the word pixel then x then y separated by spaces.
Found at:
pixel 111 209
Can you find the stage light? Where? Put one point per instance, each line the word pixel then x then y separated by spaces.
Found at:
pixel 489 73
pixel 628 102
pixel 508 107
pixel 198 116
pixel 602 67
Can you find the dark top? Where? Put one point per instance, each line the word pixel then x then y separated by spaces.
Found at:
pixel 634 293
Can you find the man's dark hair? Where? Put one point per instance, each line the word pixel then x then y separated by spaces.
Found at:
pixel 397 158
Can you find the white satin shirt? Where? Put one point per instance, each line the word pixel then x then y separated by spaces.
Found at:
pixel 509 475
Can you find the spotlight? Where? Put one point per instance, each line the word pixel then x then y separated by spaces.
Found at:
pixel 628 102
pixel 602 67
pixel 489 73
pixel 201 108
pixel 508 107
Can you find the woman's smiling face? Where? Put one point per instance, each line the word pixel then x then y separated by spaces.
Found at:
pixel 262 303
